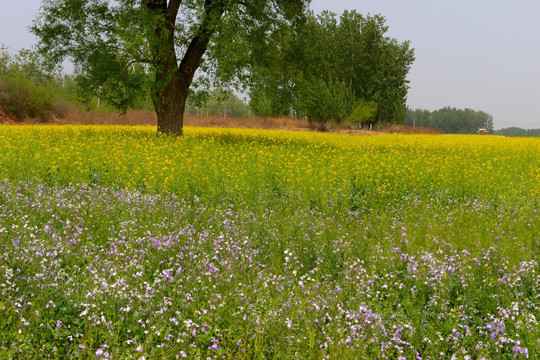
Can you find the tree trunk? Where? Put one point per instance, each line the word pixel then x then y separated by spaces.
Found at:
pixel 169 104
pixel 171 117
pixel 173 80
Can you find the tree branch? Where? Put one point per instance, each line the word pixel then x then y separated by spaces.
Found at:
pixel 213 12
pixel 172 10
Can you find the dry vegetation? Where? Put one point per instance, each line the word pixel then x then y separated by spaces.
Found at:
pixel 79 117
pixel 149 118
pixel 5 118
pixel 254 122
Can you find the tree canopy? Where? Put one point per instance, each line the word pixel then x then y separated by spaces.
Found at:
pixel 123 47
pixel 351 50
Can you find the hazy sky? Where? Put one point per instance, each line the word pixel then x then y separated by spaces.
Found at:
pixel 478 54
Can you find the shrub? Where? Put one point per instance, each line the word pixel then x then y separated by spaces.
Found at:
pixel 22 98
pixel 321 102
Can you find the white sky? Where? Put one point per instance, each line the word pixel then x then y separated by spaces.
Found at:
pixel 478 54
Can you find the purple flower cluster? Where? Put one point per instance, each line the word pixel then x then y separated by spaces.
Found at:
pixel 114 273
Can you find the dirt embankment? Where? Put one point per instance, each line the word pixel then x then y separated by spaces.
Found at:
pixel 5 119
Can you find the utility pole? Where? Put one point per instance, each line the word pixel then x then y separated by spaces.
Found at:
pixel 4 48
pixel 99 97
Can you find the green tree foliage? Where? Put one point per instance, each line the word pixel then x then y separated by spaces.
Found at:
pixel 262 104
pixel 363 113
pixel 274 69
pixel 124 47
pixel 352 50
pixel 451 120
pixel 125 90
pixel 321 101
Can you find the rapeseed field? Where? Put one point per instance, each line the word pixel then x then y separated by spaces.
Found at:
pixel 258 244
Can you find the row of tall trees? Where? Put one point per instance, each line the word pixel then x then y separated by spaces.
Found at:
pixel 451 120
pixel 332 68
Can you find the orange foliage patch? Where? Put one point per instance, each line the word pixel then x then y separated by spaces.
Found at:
pixel 5 119
pixel 150 118
pixel 254 122
pixel 404 129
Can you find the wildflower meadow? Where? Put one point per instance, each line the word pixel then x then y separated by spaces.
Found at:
pixel 260 244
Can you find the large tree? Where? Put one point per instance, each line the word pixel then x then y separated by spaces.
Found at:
pixel 118 45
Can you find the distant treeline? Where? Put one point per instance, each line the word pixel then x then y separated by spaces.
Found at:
pixel 516 131
pixel 451 120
